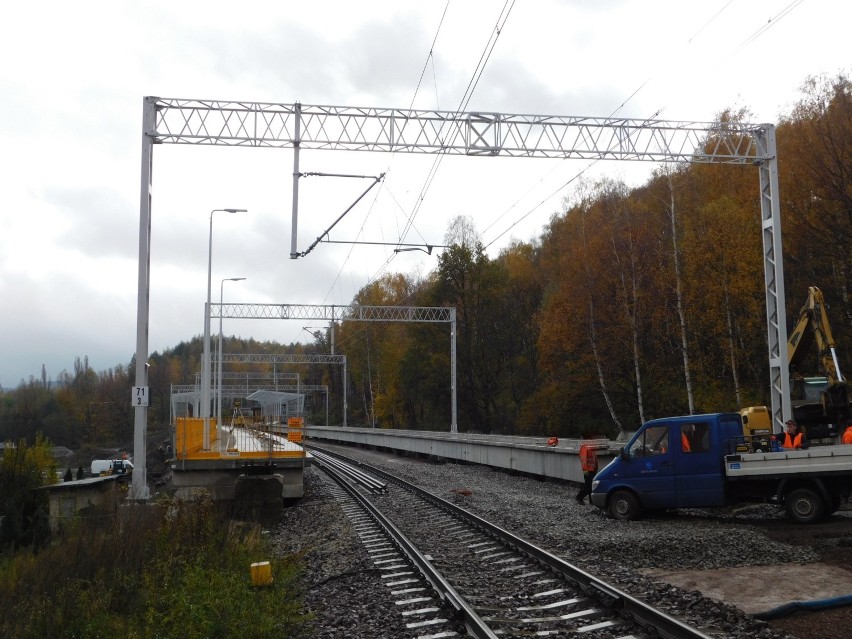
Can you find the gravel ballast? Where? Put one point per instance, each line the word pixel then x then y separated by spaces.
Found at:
pixel 346 598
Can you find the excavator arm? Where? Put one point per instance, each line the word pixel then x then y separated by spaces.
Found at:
pixel 813 328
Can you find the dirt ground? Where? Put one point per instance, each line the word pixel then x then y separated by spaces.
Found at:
pixel 832 539
pixel 762 588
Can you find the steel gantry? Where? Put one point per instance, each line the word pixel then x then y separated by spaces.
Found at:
pixel 301 126
pixel 352 312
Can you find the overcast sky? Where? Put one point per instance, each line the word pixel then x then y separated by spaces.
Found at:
pixel 74 74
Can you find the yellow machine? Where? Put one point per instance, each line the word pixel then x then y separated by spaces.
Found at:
pixel 757 429
pixel 820 406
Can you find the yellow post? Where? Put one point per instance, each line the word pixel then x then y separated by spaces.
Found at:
pixel 261 574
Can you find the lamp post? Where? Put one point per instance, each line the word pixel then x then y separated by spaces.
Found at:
pixel 205 373
pixel 219 359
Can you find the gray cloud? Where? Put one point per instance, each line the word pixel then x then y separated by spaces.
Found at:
pixel 102 223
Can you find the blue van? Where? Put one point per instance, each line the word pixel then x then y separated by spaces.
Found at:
pixel 676 462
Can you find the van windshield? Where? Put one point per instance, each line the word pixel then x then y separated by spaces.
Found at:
pixel 654 440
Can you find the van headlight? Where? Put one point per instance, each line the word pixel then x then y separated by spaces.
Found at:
pixel 595 484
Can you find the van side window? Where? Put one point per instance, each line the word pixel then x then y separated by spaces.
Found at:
pixel 694 438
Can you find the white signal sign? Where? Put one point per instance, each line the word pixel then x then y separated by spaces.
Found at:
pixel 139 397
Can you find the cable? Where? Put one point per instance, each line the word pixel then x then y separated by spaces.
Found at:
pixel 463 103
pixel 429 57
pixel 769 24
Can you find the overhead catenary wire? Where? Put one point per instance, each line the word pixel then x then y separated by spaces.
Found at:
pixel 429 56
pixel 463 104
pixel 464 101
pixel 772 21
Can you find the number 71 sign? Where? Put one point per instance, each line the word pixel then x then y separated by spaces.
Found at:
pixel 139 396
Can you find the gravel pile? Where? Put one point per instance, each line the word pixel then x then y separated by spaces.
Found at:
pixel 346 597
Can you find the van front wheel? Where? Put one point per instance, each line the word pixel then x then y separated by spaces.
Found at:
pixel 623 505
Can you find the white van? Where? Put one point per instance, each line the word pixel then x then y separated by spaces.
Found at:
pixel 110 466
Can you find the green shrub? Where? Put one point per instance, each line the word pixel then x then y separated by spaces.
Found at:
pixel 165 571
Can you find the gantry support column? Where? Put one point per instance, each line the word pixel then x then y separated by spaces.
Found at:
pixel 773 272
pixel 140 419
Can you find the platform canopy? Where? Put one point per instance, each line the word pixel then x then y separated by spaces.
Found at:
pixel 278 404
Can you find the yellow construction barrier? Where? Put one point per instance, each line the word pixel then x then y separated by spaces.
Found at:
pixel 189 435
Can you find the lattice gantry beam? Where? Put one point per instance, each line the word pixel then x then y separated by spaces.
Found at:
pixel 282 358
pixel 231 389
pixel 332 312
pixel 280 375
pixel 224 123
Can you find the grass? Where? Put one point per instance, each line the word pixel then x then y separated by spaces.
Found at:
pixel 176 569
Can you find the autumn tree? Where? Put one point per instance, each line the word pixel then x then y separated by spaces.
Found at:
pixel 815 171
pixel 25 467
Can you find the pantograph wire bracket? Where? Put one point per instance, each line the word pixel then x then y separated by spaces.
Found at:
pixel 376 179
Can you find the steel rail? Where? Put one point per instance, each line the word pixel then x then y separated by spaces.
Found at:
pixel 361 478
pixel 664 625
pixel 472 621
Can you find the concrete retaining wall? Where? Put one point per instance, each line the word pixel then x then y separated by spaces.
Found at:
pixel 529 455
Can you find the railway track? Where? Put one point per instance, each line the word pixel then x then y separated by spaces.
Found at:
pixel 451 573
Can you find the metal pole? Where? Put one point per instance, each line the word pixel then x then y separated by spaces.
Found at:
pixel 773 272
pixel 454 424
pixel 219 359
pixel 205 372
pixel 294 253
pixel 219 363
pixel 140 419
pixel 344 392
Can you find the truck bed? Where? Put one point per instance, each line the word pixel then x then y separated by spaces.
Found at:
pixel 822 460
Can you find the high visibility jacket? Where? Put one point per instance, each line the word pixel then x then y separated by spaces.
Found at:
pixel 684 443
pixel 847 436
pixel 791 442
pixel 588 459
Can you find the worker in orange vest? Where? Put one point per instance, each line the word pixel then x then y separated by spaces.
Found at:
pixel 792 439
pixel 847 435
pixel 684 441
pixel 589 464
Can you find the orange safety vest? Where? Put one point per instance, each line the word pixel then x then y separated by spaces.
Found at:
pixel 847 436
pixel 792 442
pixel 588 459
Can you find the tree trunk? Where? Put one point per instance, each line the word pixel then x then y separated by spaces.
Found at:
pixel 679 300
pixel 601 379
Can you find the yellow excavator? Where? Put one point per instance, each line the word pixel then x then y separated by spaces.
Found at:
pixel 820 404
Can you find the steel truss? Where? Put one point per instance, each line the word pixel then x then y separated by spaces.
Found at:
pixel 222 123
pixel 300 126
pixel 191 393
pixel 289 358
pixel 250 375
pixel 355 313
pixel 281 358
pixel 239 390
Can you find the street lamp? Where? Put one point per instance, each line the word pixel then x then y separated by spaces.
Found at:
pixel 219 372
pixel 205 373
